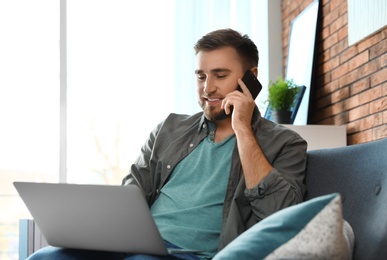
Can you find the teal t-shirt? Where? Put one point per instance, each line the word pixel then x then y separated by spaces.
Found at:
pixel 188 211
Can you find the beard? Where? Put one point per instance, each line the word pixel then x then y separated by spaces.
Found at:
pixel 212 115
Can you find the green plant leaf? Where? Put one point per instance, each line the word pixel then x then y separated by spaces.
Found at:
pixel 282 94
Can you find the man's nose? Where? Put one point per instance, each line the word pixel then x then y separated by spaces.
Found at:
pixel 209 85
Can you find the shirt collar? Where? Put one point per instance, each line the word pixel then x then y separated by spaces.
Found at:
pixel 202 123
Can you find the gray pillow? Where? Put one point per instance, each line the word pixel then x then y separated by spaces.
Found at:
pixel 314 229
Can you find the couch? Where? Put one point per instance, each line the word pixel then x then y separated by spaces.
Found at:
pixel 343 216
pixel 359 174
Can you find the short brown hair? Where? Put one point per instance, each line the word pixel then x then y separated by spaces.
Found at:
pixel 244 46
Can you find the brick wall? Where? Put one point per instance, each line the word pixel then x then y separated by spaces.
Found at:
pixel 350 86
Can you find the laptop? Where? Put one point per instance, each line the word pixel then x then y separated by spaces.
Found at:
pixel 94 217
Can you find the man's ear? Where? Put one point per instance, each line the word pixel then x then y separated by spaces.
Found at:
pixel 255 71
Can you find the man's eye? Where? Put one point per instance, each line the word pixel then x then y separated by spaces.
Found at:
pixel 221 76
pixel 201 77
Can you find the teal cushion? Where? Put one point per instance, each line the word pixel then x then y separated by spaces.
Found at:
pixel 310 230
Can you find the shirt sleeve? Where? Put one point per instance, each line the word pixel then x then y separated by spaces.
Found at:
pixel 140 173
pixel 283 186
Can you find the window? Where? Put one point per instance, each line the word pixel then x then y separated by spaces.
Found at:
pixel 29 106
pixel 120 83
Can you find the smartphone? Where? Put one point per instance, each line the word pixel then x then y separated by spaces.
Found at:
pixel 252 83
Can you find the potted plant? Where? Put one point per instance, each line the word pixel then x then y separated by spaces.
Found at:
pixel 282 94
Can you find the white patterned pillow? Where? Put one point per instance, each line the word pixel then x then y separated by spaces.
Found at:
pixel 314 229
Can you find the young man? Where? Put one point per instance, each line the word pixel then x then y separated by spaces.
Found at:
pixel 211 176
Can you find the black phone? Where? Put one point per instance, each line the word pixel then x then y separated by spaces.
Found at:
pixel 252 83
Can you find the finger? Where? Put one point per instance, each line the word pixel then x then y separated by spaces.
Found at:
pixel 223 103
pixel 244 88
pixel 226 106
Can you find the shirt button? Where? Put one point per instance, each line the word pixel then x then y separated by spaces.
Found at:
pixel 191 145
pixel 157 191
pixel 204 126
pixel 168 166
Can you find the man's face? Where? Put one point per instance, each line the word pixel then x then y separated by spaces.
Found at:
pixel 217 74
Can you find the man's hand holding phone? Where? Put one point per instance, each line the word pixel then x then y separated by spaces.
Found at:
pixel 249 88
pixel 252 83
pixel 249 85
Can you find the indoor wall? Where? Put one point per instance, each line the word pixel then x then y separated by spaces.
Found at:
pixel 350 82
